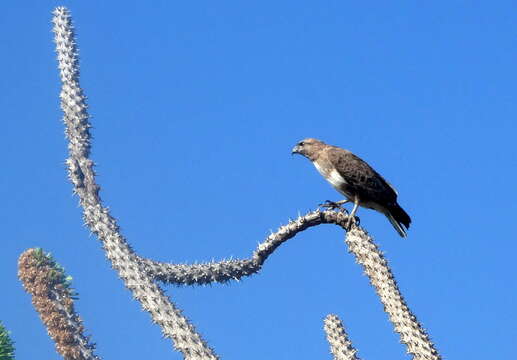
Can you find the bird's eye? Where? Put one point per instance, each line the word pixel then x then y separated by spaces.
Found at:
pixel 301 143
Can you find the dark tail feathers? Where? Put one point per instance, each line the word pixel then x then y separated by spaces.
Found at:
pixel 398 217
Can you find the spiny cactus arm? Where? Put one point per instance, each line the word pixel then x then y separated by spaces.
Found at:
pixel 6 344
pixel 226 270
pixel 375 266
pixel 200 274
pixel 80 171
pixel 340 346
pixel 53 297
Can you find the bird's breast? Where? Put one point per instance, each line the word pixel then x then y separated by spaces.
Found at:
pixel 336 179
pixel 322 170
pixel 333 177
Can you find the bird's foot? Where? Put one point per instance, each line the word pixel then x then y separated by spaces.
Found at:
pixel 332 205
pixel 352 220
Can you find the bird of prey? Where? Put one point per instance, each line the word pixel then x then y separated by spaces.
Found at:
pixel 356 180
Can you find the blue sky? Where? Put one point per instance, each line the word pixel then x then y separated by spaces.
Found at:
pixel 195 107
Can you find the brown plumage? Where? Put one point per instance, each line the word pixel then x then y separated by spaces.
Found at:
pixel 356 180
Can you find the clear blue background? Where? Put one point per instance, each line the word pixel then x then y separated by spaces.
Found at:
pixel 195 108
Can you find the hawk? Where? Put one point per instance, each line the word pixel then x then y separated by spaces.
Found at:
pixel 356 180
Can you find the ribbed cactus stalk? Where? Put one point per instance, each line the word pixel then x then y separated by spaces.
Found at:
pixel 375 266
pixel 53 297
pixel 340 346
pixel 80 171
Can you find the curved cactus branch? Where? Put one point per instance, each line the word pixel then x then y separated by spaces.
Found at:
pixel 340 346
pixel 226 270
pixel 80 171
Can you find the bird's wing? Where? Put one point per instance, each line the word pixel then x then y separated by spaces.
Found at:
pixel 360 176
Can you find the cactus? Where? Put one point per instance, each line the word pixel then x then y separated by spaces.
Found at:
pixel 97 217
pixel 226 270
pixel 340 346
pixel 141 276
pixel 375 266
pixel 53 298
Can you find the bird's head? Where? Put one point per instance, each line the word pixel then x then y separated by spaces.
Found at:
pixel 308 148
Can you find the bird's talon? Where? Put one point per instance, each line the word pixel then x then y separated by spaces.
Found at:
pixel 325 204
pixel 343 210
pixel 331 205
pixel 352 221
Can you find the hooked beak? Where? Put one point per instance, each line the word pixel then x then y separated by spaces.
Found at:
pixel 295 150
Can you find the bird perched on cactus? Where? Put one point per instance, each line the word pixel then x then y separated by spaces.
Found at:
pixel 356 180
